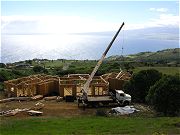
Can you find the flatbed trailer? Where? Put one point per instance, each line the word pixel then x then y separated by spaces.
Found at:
pixel 100 99
pixel 119 98
pixel 96 101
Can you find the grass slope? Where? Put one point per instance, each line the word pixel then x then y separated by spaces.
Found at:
pixel 90 125
pixel 163 70
pixel 168 55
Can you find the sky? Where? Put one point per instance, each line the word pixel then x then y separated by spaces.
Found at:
pixel 55 29
pixel 60 17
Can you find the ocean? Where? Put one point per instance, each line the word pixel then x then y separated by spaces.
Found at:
pixel 75 46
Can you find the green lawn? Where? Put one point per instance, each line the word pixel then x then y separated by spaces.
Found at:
pixel 164 70
pixel 54 63
pixel 90 125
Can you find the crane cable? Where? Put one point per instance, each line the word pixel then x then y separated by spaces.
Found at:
pixel 122 51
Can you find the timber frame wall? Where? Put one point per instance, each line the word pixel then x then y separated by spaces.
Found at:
pixel 47 85
pixel 116 80
pixel 71 84
pixel 32 85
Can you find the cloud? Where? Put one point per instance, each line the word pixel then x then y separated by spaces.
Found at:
pixel 75 24
pixel 53 24
pixel 159 9
pixel 164 20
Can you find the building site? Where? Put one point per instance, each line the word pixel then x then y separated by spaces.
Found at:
pixel 75 68
pixel 70 85
pixel 85 89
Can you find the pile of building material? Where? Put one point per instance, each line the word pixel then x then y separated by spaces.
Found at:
pixel 50 98
pixel 12 112
pixel 38 106
pixel 59 99
pixel 123 110
pixel 37 97
pixel 30 111
pixel 34 98
pixel 34 113
pixel 15 99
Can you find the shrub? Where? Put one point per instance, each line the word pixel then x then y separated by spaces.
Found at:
pixel 29 62
pixel 16 72
pixel 65 72
pixel 6 75
pixel 2 65
pixel 140 83
pixel 101 112
pixel 39 69
pixel 165 95
pixel 1 86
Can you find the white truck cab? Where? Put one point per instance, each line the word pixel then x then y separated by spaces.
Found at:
pixel 122 97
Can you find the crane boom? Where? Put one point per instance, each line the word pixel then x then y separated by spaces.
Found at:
pixel 86 85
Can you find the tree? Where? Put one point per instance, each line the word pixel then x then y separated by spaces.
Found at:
pixel 29 62
pixel 2 65
pixel 6 75
pixel 115 65
pixel 140 83
pixel 127 66
pixel 39 69
pixel 165 95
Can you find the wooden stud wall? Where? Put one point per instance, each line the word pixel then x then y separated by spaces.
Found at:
pixel 46 85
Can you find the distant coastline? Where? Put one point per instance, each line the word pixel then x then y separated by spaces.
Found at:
pixel 168 55
pixel 80 47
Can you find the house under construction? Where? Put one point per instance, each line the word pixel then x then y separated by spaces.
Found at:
pixel 71 84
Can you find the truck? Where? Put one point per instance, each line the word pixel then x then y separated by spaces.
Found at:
pixel 116 96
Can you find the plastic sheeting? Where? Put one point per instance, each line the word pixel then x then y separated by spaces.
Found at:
pixel 123 110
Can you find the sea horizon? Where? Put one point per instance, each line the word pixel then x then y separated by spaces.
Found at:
pixel 76 46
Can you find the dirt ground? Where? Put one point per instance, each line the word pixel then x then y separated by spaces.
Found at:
pixel 63 109
pixel 51 108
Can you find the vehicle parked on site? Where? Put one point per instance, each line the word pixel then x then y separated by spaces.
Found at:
pixel 115 96
pixel 119 97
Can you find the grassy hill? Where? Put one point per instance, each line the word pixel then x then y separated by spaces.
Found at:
pixel 163 56
pixel 166 61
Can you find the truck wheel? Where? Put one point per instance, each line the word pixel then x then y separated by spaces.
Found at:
pixel 126 103
pixel 95 105
pixel 78 102
pixel 105 103
pixel 84 107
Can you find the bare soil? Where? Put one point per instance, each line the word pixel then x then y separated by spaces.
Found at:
pixel 51 108
pixel 64 109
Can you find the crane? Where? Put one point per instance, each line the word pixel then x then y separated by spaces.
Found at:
pixel 85 88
